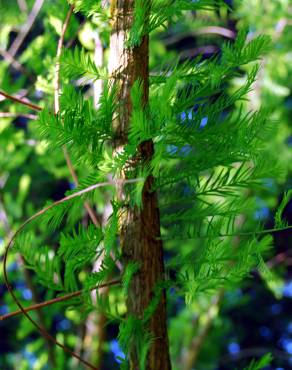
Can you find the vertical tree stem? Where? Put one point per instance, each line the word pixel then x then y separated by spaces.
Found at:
pixel 139 227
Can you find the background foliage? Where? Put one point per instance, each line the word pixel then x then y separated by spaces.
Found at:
pixel 216 317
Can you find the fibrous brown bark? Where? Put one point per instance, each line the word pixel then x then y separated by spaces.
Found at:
pixel 139 227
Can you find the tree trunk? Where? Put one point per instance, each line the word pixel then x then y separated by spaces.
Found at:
pixel 139 227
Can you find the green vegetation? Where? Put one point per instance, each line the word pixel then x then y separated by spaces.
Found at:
pixel 144 184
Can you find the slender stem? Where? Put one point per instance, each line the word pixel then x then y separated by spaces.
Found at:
pixel 15 115
pixel 20 101
pixel 9 288
pixel 57 68
pixel 29 284
pixel 56 300
pixel 248 233
pixel 15 63
pixel 217 30
pixel 26 28
pixel 72 171
pixel 41 319
pixel 70 166
pixel 22 5
pixel 191 355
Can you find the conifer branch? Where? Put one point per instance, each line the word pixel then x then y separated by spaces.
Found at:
pixel 63 298
pixel 68 160
pixel 20 101
pixel 72 171
pixel 248 233
pixel 9 288
pixel 29 284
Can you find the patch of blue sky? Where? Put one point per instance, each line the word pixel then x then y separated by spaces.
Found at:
pixel 265 332
pixel 116 350
pixel 262 212
pixel 287 290
pixel 188 116
pixel 12 267
pixel 286 344
pixel 64 324
pixel 276 308
pixel 4 309
pixel 251 32
pixel 30 357
pixel 270 184
pixel 233 296
pixel 289 141
pixel 204 122
pixel 289 328
pixel 26 294
pixel 233 348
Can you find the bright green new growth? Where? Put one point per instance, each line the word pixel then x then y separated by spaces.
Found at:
pixel 208 155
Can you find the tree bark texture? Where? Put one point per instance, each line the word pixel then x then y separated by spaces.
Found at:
pixel 139 227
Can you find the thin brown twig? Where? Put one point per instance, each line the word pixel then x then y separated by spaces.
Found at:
pixel 29 284
pixel 57 67
pixel 9 287
pixel 26 28
pixel 12 61
pixel 89 210
pixel 216 30
pixel 17 114
pixel 22 6
pixel 56 300
pixel 87 206
pixel 40 316
pixel 70 166
pixel 21 101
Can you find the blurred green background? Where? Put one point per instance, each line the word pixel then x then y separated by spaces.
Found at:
pixel 233 327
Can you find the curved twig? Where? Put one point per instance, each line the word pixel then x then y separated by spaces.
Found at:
pixel 10 243
pixel 63 298
pixel 70 166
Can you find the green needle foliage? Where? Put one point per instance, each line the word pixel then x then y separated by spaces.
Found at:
pixel 209 161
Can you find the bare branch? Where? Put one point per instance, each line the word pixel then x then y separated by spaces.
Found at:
pixel 22 6
pixel 11 60
pixel 25 28
pixel 15 115
pixel 21 101
pixel 56 300
pixel 57 68
pixel 216 30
